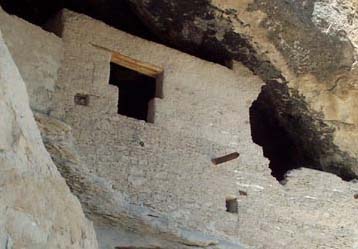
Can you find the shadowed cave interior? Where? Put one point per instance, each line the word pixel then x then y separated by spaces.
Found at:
pixel 275 141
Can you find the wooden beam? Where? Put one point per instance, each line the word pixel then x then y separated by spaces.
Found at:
pixel 133 64
pixel 224 159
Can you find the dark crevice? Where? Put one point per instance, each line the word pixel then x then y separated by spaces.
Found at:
pixel 291 136
pixel 267 132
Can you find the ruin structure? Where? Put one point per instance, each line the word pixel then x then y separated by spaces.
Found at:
pixel 157 146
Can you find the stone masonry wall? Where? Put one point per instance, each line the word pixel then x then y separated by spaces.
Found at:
pixel 160 174
pixel 38 55
pixel 166 165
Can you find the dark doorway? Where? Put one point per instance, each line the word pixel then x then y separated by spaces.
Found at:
pixel 282 125
pixel 135 92
pixel 277 143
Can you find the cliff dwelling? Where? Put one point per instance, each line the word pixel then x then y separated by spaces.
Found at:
pixel 178 124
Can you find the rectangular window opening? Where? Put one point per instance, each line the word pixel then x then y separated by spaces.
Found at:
pixel 138 84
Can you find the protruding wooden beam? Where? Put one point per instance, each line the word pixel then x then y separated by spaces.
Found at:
pixel 133 64
pixel 226 158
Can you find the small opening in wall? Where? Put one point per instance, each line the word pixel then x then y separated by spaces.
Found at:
pixel 82 99
pixel 232 205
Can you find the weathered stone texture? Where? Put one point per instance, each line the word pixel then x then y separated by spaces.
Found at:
pixel 37 54
pixel 309 47
pixel 118 221
pixel 165 167
pixel 338 18
pixel 153 185
pixel 37 209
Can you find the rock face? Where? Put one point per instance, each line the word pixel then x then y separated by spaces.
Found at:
pixel 151 185
pixel 305 51
pixel 302 201
pixel 37 209
pixel 111 210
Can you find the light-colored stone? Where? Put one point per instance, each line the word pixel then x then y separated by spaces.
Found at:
pixel 37 209
pixel 305 51
pixel 327 86
pixel 118 222
pixel 167 194
pixel 204 113
pixel 337 17
pixel 172 173
pixel 37 54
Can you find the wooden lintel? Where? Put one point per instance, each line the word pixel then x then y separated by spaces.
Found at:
pixel 226 158
pixel 133 64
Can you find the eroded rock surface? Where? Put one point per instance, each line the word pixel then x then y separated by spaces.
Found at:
pixel 117 221
pixel 305 51
pixel 37 210
pixel 37 55
pixel 313 210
